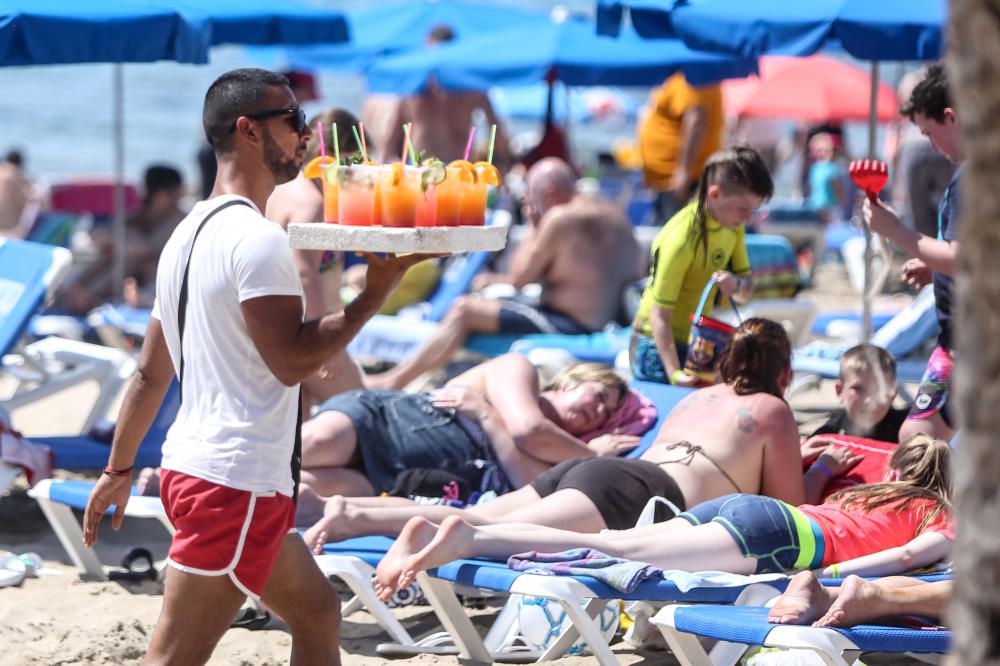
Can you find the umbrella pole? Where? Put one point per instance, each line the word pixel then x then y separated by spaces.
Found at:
pixel 866 298
pixel 118 226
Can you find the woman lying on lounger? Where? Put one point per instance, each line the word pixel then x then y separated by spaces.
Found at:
pixel 491 427
pixel 876 530
pixel 739 436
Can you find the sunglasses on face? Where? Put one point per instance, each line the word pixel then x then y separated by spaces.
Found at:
pixel 297 121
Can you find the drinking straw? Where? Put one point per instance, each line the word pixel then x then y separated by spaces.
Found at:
pixel 336 144
pixel 359 142
pixel 406 141
pixel 364 146
pixel 493 137
pixel 322 144
pixel 413 151
pixel 468 144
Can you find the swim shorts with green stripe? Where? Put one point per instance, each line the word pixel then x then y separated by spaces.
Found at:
pixel 780 537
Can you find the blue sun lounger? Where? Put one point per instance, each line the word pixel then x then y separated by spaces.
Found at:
pixel 354 560
pixel 749 626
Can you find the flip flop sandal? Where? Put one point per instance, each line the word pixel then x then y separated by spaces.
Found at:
pixel 250 618
pixel 138 566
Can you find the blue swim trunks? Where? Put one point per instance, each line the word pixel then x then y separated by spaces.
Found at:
pixel 780 537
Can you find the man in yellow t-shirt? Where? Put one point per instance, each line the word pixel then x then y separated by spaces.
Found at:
pixel 684 126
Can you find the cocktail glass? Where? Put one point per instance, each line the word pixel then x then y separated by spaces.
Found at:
pixel 472 211
pixel 331 192
pixel 399 189
pixel 449 197
pixel 357 198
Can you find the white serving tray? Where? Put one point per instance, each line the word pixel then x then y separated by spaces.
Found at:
pixel 434 240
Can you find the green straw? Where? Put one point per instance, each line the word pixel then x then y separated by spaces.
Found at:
pixel 336 144
pixel 357 140
pixel 413 151
pixel 493 137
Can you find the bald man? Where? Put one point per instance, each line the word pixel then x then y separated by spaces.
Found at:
pixel 582 251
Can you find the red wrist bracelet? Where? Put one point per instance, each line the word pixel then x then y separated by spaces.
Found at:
pixel 109 471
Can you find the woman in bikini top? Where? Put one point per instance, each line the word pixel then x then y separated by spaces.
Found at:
pixel 689 452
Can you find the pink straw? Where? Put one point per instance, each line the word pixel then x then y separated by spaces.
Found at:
pixel 322 143
pixel 468 145
pixel 364 146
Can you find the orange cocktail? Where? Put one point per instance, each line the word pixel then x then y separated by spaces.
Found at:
pixel 331 192
pixel 399 190
pixel 472 210
pixel 357 196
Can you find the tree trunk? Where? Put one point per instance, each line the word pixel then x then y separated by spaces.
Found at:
pixel 974 69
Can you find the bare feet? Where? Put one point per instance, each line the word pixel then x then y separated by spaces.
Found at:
pixel 452 542
pixel 804 601
pixel 859 601
pixel 148 482
pixel 310 507
pixel 333 525
pixel 415 536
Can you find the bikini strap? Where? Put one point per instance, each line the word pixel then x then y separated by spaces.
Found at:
pixel 693 449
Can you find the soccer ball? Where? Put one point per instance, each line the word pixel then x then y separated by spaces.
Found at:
pixel 541 620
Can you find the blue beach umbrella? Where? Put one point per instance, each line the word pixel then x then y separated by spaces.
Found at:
pixel 568 50
pixel 884 30
pixel 265 21
pixel 401 25
pixel 50 32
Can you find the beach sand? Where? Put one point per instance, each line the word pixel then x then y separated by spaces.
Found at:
pixel 59 619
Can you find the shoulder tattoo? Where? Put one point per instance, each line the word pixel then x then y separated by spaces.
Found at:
pixel 745 421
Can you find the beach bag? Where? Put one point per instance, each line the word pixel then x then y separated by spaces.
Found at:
pixel 707 341
pixel 431 482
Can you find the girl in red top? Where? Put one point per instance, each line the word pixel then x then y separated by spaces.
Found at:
pixel 876 529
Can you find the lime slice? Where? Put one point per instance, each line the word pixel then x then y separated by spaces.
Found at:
pixel 434 173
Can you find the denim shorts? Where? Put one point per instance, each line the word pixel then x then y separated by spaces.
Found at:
pixel 645 360
pixel 780 537
pixel 398 431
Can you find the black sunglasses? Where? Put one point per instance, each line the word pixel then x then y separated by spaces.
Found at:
pixel 297 121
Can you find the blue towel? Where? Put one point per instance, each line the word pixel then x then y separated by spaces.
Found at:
pixel 615 572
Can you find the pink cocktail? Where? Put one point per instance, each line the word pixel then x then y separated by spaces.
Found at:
pixel 357 199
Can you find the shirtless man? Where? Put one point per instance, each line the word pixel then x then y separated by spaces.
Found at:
pixel 301 200
pixel 583 251
pixel 739 436
pixel 441 118
pixel 15 193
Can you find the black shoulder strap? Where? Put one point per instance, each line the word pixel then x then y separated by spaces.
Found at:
pixel 183 298
pixel 296 462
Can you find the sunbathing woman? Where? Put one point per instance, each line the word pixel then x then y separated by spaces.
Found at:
pixel 739 436
pixel 490 426
pixel 873 530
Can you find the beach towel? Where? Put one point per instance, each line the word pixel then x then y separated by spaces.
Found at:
pixel 635 416
pixel 615 572
pixel 35 459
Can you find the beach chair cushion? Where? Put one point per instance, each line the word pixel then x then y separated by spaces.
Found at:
pixel 28 272
pixel 748 625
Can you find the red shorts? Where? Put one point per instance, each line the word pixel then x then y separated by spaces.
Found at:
pixel 222 531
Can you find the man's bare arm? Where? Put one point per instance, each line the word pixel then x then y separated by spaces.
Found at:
pixel 292 349
pixel 533 262
pixel 143 397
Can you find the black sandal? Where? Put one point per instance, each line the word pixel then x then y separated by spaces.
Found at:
pixel 137 566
